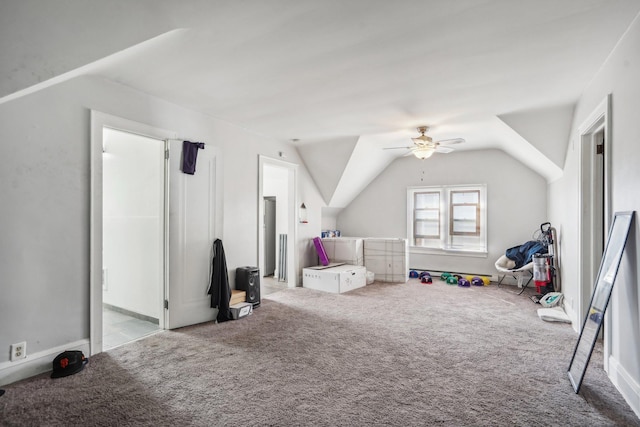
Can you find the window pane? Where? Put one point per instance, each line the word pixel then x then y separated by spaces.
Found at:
pixel 427 243
pixel 465 219
pixel 464 226
pixel 459 197
pixel 427 228
pixel 427 200
pixel 422 242
pixel 464 213
pixel 432 215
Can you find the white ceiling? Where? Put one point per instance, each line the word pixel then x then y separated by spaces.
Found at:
pixel 490 71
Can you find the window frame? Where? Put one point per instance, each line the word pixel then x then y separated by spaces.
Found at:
pixel 449 243
pixel 452 205
pixel 437 210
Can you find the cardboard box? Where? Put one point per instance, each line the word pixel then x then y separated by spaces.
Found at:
pixel 338 279
pixel 348 250
pixel 237 297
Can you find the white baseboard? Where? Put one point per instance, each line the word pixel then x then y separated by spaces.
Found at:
pixel 572 315
pixel 437 273
pixel 37 363
pixel 626 385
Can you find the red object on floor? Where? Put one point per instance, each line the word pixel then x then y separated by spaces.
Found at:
pixel 540 285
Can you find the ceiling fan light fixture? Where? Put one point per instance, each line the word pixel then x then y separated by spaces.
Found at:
pixel 423 153
pixel 422 140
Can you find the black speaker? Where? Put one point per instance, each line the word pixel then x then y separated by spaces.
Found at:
pixel 248 280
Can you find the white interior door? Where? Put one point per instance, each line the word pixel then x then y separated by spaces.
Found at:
pixel 193 224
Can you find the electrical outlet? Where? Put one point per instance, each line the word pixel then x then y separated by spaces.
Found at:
pixel 18 351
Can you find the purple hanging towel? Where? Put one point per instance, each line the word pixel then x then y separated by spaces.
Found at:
pixel 189 156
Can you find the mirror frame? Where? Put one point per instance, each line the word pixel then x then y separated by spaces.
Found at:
pixel 616 242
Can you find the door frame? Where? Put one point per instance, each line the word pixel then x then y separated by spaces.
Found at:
pixel 99 121
pixel 292 186
pixel 599 121
pixel 264 201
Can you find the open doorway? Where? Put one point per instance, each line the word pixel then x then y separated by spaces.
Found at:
pixel 595 148
pixel 277 226
pixel 270 229
pixel 133 236
pixel 104 153
pixel 191 221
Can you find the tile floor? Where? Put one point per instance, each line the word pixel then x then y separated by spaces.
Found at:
pixel 119 328
pixel 269 285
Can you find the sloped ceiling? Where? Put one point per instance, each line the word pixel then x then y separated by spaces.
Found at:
pixel 326 161
pixel 545 129
pixel 499 73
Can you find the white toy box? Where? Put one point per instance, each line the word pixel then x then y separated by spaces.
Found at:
pixel 338 279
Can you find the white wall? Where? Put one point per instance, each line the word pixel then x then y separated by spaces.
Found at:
pixel 133 202
pixel 516 200
pixel 44 188
pixel 618 77
pixel 330 218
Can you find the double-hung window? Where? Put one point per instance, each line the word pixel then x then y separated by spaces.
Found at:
pixel 447 218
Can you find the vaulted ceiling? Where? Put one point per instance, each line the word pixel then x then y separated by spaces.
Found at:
pixel 344 78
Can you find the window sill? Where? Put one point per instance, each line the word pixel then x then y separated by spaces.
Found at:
pixel 449 252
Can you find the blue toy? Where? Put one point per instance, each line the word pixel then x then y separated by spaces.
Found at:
pixel 463 283
pixel 477 281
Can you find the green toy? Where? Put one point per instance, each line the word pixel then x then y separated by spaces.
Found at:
pixel 445 276
pixel 452 280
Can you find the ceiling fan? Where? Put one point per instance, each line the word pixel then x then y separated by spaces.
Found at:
pixel 424 146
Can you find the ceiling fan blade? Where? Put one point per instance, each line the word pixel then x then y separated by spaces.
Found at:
pixel 444 150
pixel 397 148
pixel 451 141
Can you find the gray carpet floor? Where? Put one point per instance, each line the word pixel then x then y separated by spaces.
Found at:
pixel 406 354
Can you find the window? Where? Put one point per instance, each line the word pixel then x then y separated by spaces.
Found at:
pixel 464 213
pixel 447 218
pixel 426 221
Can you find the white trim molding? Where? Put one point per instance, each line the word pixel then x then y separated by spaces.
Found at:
pixel 292 221
pixel 598 120
pixel 626 385
pixel 99 121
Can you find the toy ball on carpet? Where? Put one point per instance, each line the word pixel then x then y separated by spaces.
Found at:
pixel 426 279
pixel 457 276
pixel 445 276
pixel 424 274
pixel 464 283
pixel 477 281
pixel 486 280
pixel 469 277
pixel 452 280
pixel 413 274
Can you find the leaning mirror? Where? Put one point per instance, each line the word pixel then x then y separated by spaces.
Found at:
pixel 600 298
